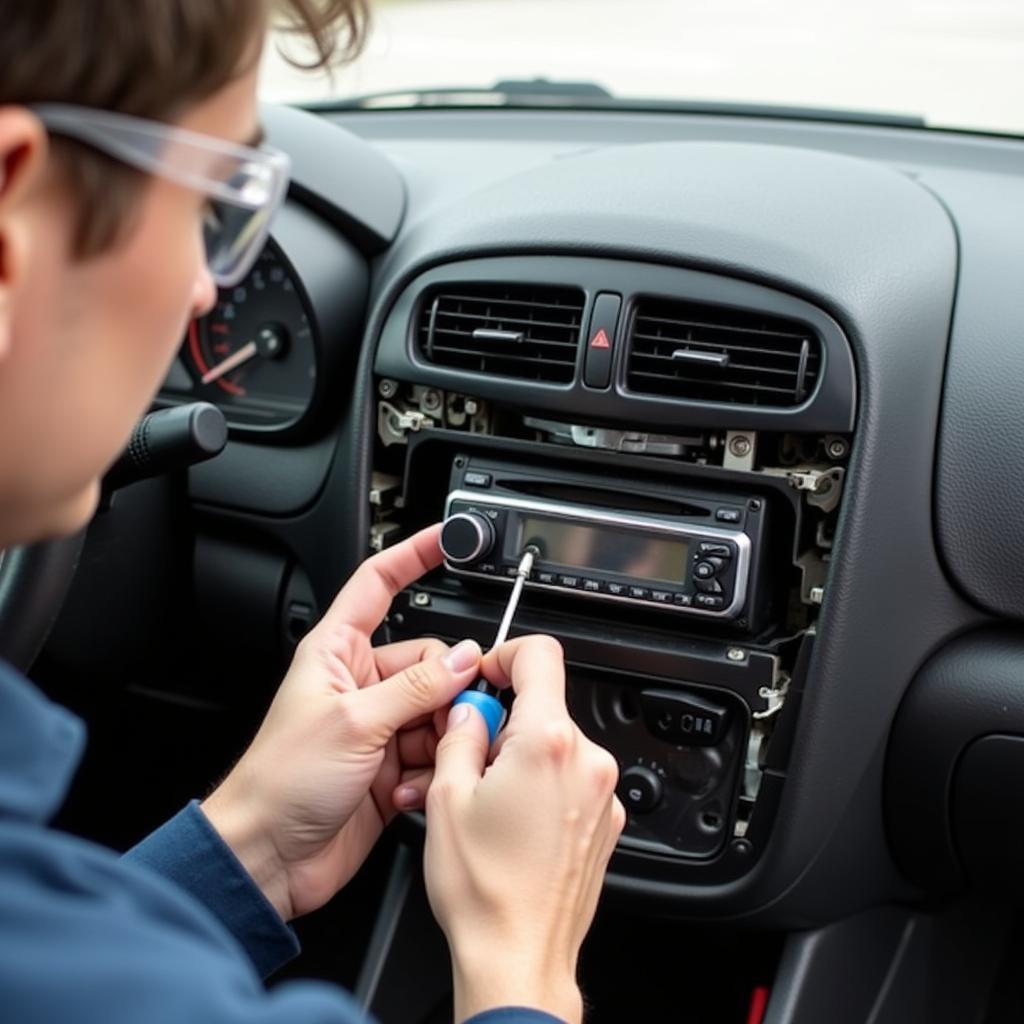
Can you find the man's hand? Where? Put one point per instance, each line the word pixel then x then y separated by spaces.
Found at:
pixel 518 839
pixel 349 733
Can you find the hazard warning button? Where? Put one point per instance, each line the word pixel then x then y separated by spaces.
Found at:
pixel 597 364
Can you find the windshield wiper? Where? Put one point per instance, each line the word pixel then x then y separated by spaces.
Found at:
pixel 531 94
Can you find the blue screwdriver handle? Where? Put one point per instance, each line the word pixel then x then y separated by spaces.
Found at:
pixel 488 706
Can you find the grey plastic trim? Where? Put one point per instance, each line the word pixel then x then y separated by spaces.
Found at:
pixel 339 175
pixel 831 406
pixel 565 130
pixel 980 466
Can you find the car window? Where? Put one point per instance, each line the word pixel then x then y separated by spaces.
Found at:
pixel 952 63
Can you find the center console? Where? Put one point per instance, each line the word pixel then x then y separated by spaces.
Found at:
pixel 654 551
pixel 670 588
pixel 677 461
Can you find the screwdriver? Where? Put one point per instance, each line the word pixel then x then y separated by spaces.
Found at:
pixel 482 695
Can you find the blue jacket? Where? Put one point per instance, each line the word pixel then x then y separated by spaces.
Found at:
pixel 173 932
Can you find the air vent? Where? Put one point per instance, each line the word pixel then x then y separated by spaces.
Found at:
pixel 526 331
pixel 708 353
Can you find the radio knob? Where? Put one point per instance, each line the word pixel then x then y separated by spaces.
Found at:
pixel 466 537
pixel 640 789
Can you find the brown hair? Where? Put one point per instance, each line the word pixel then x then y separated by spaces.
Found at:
pixel 150 58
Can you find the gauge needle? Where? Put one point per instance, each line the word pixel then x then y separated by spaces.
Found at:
pixel 243 355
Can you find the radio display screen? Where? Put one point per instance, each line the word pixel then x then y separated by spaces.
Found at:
pixel 607 549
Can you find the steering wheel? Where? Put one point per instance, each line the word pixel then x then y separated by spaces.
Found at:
pixel 34 581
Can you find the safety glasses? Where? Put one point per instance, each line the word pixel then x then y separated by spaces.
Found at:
pixel 243 186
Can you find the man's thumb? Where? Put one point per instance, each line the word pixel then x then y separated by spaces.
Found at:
pixel 420 688
pixel 462 753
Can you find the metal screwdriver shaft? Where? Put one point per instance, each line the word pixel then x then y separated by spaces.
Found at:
pixel 482 695
pixel 525 565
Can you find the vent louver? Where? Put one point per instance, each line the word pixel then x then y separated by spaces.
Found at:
pixel 706 353
pixel 511 330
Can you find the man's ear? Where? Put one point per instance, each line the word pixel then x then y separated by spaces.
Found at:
pixel 22 161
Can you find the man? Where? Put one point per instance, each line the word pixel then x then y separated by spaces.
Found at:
pixel 129 188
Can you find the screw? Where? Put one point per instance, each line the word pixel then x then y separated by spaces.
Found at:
pixel 387 388
pixel 736 654
pixel 836 448
pixel 431 400
pixel 743 847
pixel 420 599
pixel 754 505
pixel 740 446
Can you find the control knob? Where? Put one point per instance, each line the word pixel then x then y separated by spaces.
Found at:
pixel 466 537
pixel 640 789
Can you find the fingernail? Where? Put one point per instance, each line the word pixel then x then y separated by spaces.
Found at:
pixel 407 796
pixel 462 656
pixel 458 715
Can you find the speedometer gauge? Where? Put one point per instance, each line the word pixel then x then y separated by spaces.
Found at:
pixel 253 355
pixel 272 345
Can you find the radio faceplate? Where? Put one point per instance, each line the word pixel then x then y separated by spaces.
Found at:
pixel 641 559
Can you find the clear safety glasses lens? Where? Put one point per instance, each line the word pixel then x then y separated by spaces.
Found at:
pixel 244 186
pixel 234 234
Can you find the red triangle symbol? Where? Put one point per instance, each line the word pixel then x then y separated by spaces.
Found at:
pixel 600 340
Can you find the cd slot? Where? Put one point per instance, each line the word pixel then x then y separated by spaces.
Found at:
pixel 552 490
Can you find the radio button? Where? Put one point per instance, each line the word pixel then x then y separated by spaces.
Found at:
pixel 572 582
pixel 727 515
pixel 708 586
pixel 683 600
pixel 703 571
pixel 617 589
pixel 639 593
pixel 548 578
pixel 474 478
pixel 709 601
pixel 683 718
pixel 661 596
pixel 592 586
pixel 488 567
pixel 722 550
pixel 597 363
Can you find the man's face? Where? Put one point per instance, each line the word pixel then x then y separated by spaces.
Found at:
pixel 85 345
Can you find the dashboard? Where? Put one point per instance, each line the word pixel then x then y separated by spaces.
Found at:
pixel 653 320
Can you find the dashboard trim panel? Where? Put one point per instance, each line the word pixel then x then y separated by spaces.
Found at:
pixel 830 408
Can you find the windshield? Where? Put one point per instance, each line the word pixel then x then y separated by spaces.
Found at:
pixel 952 63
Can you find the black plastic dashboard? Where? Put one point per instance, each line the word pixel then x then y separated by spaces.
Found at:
pixel 899 246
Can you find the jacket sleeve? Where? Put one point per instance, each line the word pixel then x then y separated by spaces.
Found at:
pixel 88 937
pixel 189 851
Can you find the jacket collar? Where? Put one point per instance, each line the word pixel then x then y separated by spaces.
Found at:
pixel 40 746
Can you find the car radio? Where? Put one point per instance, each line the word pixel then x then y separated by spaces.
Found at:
pixel 685 551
